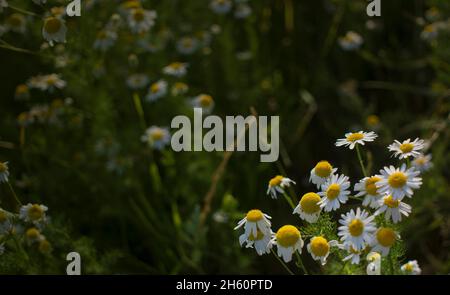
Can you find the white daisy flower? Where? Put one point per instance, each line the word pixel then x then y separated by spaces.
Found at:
pixel 176 69
pixel 255 221
pixel 204 101
pixel 157 90
pixel 3 5
pixel 187 45
pixel 54 30
pixel 321 172
pixel 141 20
pixel 33 213
pixel 353 255
pixel 220 6
pixel 260 241
pixel 16 22
pixel 179 88
pixel 352 139
pixel 374 266
pixel 430 32
pixel 156 137
pixel 137 81
pixel 351 41
pixel 367 187
pixel 334 192
pixel 4 172
pixel 399 182
pixel 277 185
pixel 407 148
pixel 308 208
pixel 33 235
pixel 242 11
pixel 319 248
pixel 393 208
pixel 357 228
pixel 411 268
pixel 288 240
pixel 105 40
pixel 422 163
pixel 383 240
pixel 5 222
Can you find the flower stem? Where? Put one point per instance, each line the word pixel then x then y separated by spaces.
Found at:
pixel 14 194
pixel 139 110
pixel 361 161
pixel 282 262
pixel 289 200
pixel 300 262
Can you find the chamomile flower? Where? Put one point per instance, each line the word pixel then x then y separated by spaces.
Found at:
pixel 16 22
pixel 288 240
pixel 261 242
pixel 334 192
pixel 204 101
pixel 357 228
pixel 367 187
pixel 277 185
pixel 105 40
pixel 374 266
pixel 309 208
pixel 5 222
pixel 242 11
pixel 422 163
pixel 220 6
pixel 137 81
pixel 187 45
pixel 351 139
pixel 156 137
pixel 407 148
pixel 33 235
pixel 399 182
pixel 393 208
pixel 54 30
pixel 383 240
pixel 141 20
pixel 430 32
pixel 321 172
pixel 4 172
pixel 351 41
pixel 179 88
pixel 353 255
pixel 3 5
pixel 319 248
pixel 157 90
pixel 255 221
pixel 411 268
pixel 176 69
pixel 33 213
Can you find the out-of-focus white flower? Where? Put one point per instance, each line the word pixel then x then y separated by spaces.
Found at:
pixel 351 41
pixel 3 5
pixel 422 163
pixel 221 6
pixel 137 81
pixel 4 172
pixel 204 101
pixel 176 69
pixel 187 45
pixel 411 268
pixel 141 20
pixel 54 30
pixel 33 213
pixel 157 137
pixel 157 90
pixel 383 240
pixel 16 22
pixel 179 88
pixel 242 11
pixel 105 40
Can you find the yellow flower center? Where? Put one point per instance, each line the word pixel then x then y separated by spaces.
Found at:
pixel 188 42
pixel 22 89
pixel 386 237
pixel 35 212
pixel 409 267
pixel 259 236
pixel 355 136
pixel 356 227
pixel 276 181
pixel 3 167
pixel 157 134
pixel 333 191
pixel 420 161
pixel 131 4
pixel 52 25
pixel 390 202
pixel 323 169
pixel 3 216
pixel 309 203
pixel 397 179
pixel 154 88
pixel 287 236
pixel 373 120
pixel 15 20
pixel 176 65
pixel 138 15
pixel 32 233
pixel 319 246
pixel 44 246
pixel 371 187
pixel 406 147
pixel 254 215
pixel 205 100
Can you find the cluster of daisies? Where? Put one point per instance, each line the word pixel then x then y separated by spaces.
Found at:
pixel 359 232
pixel 26 225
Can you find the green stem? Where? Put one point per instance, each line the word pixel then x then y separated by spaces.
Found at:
pixel 282 262
pixel 361 161
pixel 14 194
pixel 289 200
pixel 24 11
pixel 139 110
pixel 300 262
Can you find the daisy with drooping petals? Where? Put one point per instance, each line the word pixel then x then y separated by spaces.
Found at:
pixel 54 30
pixel 411 268
pixel 319 248
pixel 383 240
pixel 374 266
pixel 204 101
pixel 393 208
pixel 367 187
pixel 353 255
pixel 255 221
pixel 422 163
pixel 141 20
pixel 357 228
pixel 334 192
pixel 288 240
pixel 260 241
pixel 176 69
pixel 157 137
pixel 157 90
pixel 407 148
pixel 321 172
pixel 277 185
pixel 352 139
pixel 399 182
pixel 308 208
pixel 4 172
